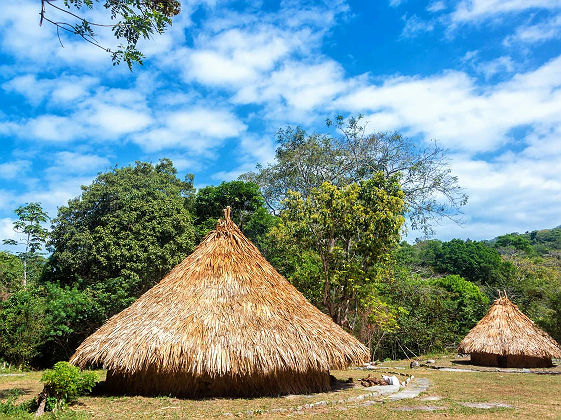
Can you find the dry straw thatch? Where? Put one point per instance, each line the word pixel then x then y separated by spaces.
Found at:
pixel 222 322
pixel 506 337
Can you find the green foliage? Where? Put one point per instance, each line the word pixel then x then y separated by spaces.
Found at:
pixel 352 229
pixel 11 274
pixel 465 302
pixel 546 240
pixel 474 261
pixel 11 409
pixel 70 316
pixel 434 313
pixel 34 235
pixel 131 21
pixel 246 202
pixel 65 383
pixel 131 224
pixel 22 327
pixel 513 240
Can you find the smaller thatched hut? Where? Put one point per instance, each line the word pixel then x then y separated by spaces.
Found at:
pixel 505 337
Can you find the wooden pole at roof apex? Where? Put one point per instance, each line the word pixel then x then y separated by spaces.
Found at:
pixel 227 212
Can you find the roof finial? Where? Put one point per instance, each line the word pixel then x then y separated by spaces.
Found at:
pixel 227 212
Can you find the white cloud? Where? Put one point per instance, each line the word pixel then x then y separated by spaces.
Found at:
pixel 415 26
pixel 296 88
pixel 238 56
pixel 61 90
pixel 539 32
pixel 513 193
pixel 72 162
pixel 462 115
pixel 7 230
pixel 498 65
pixel 52 128
pixel 197 129
pixel 474 10
pixel 114 121
pixel 14 169
pixel 436 6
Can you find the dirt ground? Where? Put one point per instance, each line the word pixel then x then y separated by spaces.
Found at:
pixel 452 394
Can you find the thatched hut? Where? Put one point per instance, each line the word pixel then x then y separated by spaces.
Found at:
pixel 505 337
pixel 223 322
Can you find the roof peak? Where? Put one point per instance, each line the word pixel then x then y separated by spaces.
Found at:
pixel 227 212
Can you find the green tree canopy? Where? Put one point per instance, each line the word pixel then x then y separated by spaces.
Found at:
pixel 126 230
pixel 474 261
pixel 11 274
pixel 351 229
pixel 246 202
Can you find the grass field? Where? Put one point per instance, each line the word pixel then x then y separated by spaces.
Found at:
pixel 527 395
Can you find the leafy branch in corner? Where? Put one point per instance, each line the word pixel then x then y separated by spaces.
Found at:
pixel 131 20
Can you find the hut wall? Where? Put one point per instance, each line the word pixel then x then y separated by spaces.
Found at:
pixel 186 385
pixel 510 361
pixel 484 359
pixel 528 362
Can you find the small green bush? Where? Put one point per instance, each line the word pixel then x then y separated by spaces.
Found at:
pixel 64 383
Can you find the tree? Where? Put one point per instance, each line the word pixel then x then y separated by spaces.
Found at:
pixel 29 225
pixel 11 274
pixel 21 327
pixel 131 20
pixel 475 262
pixel 305 161
pixel 124 233
pixel 246 202
pixel 351 229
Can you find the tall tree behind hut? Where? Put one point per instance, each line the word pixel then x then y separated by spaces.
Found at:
pixel 304 161
pixel 248 210
pixel 352 231
pixel 124 233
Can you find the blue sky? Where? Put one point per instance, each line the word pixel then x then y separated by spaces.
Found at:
pixel 482 77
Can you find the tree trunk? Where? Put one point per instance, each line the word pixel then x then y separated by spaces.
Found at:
pixel 42 400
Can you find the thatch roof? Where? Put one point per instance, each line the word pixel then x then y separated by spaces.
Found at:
pixel 224 310
pixel 505 330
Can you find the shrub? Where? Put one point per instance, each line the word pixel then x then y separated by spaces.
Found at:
pixel 21 327
pixel 65 383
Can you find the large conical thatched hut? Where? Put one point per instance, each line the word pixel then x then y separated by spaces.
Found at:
pixel 505 337
pixel 221 323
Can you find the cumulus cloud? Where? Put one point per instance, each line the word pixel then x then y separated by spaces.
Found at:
pixel 197 129
pixel 511 193
pixel 536 33
pixel 14 169
pixel 454 109
pixel 71 162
